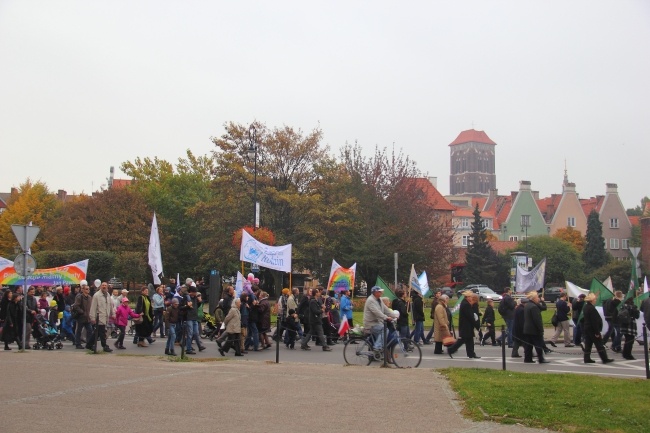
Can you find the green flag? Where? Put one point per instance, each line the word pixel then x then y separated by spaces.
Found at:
pixel 634 283
pixel 388 293
pixel 601 291
pixel 457 305
pixel 639 299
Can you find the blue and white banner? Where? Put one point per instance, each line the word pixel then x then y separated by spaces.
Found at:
pixel 528 281
pixel 424 283
pixel 255 252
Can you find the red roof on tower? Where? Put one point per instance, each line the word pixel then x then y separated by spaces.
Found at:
pixel 472 135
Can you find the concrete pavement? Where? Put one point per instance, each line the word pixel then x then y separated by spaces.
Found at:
pixel 70 391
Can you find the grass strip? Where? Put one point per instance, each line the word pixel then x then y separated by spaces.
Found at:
pixel 561 402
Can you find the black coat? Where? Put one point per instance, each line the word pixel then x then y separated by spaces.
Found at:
pixel 315 312
pixel 488 316
pixel 593 323
pixel 466 322
pixel 418 308
pixel 399 305
pixel 509 305
pixel 518 324
pixel 533 324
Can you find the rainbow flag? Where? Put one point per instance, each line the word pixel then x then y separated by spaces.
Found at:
pixel 60 276
pixel 341 278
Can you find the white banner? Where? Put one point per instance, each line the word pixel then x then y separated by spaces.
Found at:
pixel 527 281
pixel 255 252
pixel 574 291
pixel 155 255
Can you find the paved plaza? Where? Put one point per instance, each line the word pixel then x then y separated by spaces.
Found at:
pixel 73 391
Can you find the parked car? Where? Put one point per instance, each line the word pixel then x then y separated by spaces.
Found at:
pixel 552 294
pixel 483 291
pixel 443 290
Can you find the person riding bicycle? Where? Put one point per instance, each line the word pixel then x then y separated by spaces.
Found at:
pixel 375 312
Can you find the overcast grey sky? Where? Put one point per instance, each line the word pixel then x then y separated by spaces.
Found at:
pixel 89 84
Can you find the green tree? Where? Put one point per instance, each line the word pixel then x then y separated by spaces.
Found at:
pixel 594 254
pixel 112 220
pixel 392 215
pixel 480 260
pixel 618 270
pixel 175 193
pixel 563 261
pixel 638 210
pixel 31 202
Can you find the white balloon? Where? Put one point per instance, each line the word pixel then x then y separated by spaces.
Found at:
pixel 97 283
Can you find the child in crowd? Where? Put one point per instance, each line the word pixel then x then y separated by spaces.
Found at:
pixel 291 328
pixel 66 324
pixel 121 320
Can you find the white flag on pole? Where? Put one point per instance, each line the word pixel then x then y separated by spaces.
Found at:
pixel 155 255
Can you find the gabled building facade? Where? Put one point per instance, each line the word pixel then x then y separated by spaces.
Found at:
pixel 617 228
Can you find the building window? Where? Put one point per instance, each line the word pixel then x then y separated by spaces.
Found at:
pixel 525 220
pixel 571 222
pixel 487 223
pixel 625 244
pixel 464 223
pixel 465 240
pixel 613 244
pixel 514 238
pixel 613 223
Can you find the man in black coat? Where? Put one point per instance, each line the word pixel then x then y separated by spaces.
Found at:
pixel 467 323
pixel 534 328
pixel 315 322
pixel 507 312
pixel 592 325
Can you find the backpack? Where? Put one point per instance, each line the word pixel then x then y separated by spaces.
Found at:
pixel 218 315
pixel 607 308
pixel 624 316
pixel 503 309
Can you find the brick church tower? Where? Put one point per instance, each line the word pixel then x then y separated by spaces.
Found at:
pixel 472 164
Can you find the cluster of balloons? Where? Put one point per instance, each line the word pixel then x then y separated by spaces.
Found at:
pixel 250 280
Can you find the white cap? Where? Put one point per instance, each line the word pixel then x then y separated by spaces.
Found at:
pixel 83 283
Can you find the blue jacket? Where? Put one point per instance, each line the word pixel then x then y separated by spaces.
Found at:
pixel 346 307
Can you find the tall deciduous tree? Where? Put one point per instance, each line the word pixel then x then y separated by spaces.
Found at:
pixel 114 220
pixel 594 254
pixel 31 202
pixel 572 236
pixel 391 217
pixel 563 261
pixel 481 260
pixel 175 193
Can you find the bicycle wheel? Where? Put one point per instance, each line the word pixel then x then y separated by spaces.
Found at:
pixel 406 354
pixel 357 351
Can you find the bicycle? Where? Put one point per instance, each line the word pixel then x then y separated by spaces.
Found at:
pixel 403 352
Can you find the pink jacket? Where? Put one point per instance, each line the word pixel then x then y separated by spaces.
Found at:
pixel 122 315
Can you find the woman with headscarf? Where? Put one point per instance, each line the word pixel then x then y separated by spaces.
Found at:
pixel 440 324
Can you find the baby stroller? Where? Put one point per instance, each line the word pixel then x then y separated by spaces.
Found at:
pixel 210 328
pixel 46 335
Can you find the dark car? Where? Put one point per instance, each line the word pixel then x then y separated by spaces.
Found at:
pixel 552 294
pixel 443 290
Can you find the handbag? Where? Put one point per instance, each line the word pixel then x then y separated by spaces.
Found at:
pixel 554 321
pixel 137 320
pixel 448 341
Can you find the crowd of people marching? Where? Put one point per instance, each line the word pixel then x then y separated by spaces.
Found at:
pixel 242 323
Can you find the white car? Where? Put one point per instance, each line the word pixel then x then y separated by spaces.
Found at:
pixel 484 293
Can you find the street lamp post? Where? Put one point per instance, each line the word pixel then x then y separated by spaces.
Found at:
pixel 252 154
pixel 525 223
pixel 320 258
